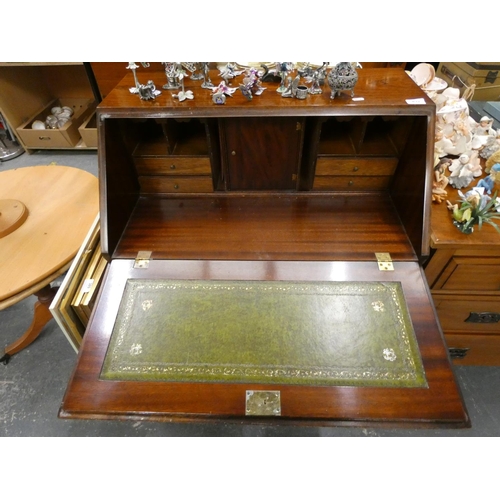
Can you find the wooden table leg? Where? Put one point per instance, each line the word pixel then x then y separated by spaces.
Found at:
pixel 41 317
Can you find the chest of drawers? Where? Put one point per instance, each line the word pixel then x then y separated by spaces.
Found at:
pixel 464 275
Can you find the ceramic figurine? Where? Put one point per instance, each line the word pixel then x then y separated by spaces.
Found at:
pixel 172 74
pixel 492 145
pixel 476 208
pixel 488 182
pixel 219 98
pixel 342 77
pixel 146 92
pixel 482 132
pixel 463 171
pixel 220 92
pixel 441 180
pixel 453 124
pixel 442 144
pixel 252 84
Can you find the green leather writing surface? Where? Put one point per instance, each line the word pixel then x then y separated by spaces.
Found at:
pixel 276 332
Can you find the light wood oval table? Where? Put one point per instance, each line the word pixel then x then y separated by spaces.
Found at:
pixel 62 203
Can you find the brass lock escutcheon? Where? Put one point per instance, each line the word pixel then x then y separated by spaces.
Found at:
pixel 263 403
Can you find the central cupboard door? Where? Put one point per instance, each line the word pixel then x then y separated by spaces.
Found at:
pixel 261 153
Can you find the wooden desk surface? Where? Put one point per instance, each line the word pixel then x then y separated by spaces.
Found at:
pixel 62 203
pixel 371 89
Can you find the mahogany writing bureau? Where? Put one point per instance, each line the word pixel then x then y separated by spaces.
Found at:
pixel 265 260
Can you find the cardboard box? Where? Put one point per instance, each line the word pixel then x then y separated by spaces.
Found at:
pixel 66 137
pixel 485 76
pixel 88 130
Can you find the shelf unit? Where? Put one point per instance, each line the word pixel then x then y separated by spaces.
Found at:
pixel 28 88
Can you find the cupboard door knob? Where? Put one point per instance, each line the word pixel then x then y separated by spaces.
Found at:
pixel 233 153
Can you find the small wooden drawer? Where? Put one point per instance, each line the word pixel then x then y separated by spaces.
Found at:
pixel 468 313
pixel 350 183
pixel 173 165
pixel 471 274
pixel 153 184
pixel 474 349
pixel 356 166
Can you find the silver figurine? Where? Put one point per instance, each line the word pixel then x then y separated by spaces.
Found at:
pixel 183 94
pixel 207 83
pixel 146 92
pixel 283 69
pixel 172 74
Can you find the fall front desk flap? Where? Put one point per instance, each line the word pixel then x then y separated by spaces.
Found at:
pixel 302 333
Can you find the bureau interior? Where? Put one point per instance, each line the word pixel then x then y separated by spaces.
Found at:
pixel 357 185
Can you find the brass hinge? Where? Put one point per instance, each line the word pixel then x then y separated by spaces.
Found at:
pixel 384 261
pixel 142 260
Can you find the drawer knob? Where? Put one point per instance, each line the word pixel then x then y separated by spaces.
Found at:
pixel 233 153
pixel 172 167
pixel 483 317
pixel 350 183
pixel 355 169
pixel 176 186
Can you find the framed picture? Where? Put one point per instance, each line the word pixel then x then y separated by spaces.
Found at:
pixel 61 307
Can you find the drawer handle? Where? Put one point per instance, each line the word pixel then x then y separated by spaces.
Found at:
pixel 43 138
pixel 449 74
pixel 176 186
pixel 483 317
pixel 172 167
pixel 458 352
